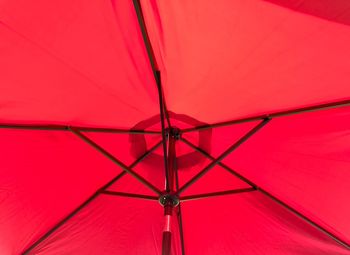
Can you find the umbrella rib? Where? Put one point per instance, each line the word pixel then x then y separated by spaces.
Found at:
pixel 146 40
pixel 305 218
pixel 85 129
pixel 88 201
pixel 313 108
pixel 216 194
pixel 166 112
pixel 223 155
pixel 164 136
pixel 268 194
pixel 132 195
pixel 72 214
pixel 157 78
pixel 115 160
pixel 207 155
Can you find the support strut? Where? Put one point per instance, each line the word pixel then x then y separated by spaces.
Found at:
pixel 169 200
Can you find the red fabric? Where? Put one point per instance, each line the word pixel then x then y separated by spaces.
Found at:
pixel 240 58
pixel 79 62
pixel 249 224
pixel 304 160
pixel 84 63
pixel 137 227
pixel 44 176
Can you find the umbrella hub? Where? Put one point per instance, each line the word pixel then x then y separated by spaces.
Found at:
pixel 169 199
pixel 185 160
pixel 173 132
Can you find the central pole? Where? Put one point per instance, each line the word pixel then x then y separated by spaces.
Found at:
pixel 169 200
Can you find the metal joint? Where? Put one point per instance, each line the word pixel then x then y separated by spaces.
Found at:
pixel 173 132
pixel 169 199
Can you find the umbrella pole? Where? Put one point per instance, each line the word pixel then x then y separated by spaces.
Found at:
pixel 169 200
pixel 166 241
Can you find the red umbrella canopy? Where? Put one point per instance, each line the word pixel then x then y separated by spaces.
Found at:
pixel 174 127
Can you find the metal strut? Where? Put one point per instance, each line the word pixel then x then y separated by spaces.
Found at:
pixel 169 199
pixel 156 73
pixel 256 187
pixel 98 192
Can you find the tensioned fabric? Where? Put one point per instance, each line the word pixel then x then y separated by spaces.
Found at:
pixel 256 56
pixel 74 62
pixel 84 63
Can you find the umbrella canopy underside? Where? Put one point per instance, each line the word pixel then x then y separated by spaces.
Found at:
pixel 240 109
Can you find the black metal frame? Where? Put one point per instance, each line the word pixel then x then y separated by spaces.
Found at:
pixel 223 155
pixel 157 78
pixel 82 129
pixel 168 145
pixel 170 156
pixel 215 161
pixel 99 192
pixel 116 161
pixel 312 108
pixel 224 166
pixel 132 195
pixel 274 198
pixel 170 202
pixel 216 194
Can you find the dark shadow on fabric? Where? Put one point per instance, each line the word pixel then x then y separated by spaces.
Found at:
pixel 139 146
pixel 332 10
